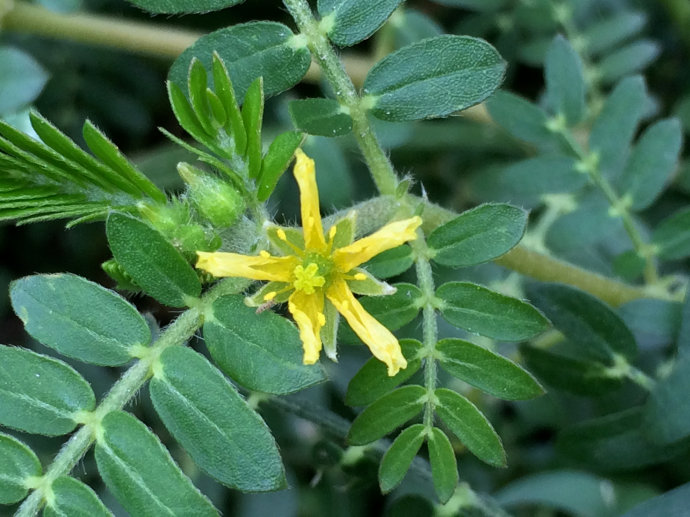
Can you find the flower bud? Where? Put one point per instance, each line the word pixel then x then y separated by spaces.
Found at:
pixel 216 200
pixel 165 217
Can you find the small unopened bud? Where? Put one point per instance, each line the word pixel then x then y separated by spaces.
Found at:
pixel 165 217
pixel 216 200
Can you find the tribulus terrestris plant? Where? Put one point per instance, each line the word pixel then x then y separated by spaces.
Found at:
pixel 318 292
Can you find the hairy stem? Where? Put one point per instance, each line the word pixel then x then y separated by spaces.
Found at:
pixel 425 280
pixel 334 72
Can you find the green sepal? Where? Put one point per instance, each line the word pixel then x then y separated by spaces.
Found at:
pixel 386 414
pixel 18 463
pixel 372 380
pixel 369 286
pixel 277 159
pixel 471 426
pixel 257 299
pixel 398 458
pixel 252 115
pixel 234 125
pixel 345 229
pixel 444 466
pixel 294 238
pixel 329 332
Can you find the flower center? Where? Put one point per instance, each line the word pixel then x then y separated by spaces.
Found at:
pixel 307 278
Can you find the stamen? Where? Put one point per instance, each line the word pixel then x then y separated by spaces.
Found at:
pixel 322 319
pixel 306 279
pixel 360 276
pixel 264 254
pixel 269 296
pixel 281 234
pixel 332 231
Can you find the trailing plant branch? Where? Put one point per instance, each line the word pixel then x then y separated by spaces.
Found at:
pixel 334 72
pixel 180 331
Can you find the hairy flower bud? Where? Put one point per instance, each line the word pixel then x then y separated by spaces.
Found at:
pixel 216 200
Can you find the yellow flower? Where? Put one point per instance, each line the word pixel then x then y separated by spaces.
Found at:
pixel 318 274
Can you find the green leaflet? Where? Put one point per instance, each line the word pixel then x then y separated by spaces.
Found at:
pixel 589 323
pixel 527 181
pixel 324 117
pixel 276 161
pixel 573 375
pixel 616 441
pixel 262 352
pixel 613 30
pixel 22 79
pixel 17 463
pixel 486 370
pixel 674 502
pixel 444 467
pixel 565 82
pixel 249 50
pixel 667 411
pixel 372 380
pixel 79 318
pixel 222 434
pixel 672 236
pixel 628 60
pixel 40 395
pixel 614 128
pixel 183 6
pixel 522 119
pixel 651 164
pixel 470 426
pixel 482 311
pixel 352 21
pixel 252 117
pixel 74 499
pixel 386 414
pixel 398 458
pixel 433 78
pixel 141 474
pixel 152 262
pixel 478 235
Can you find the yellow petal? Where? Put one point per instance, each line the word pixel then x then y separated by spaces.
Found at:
pixel 390 236
pixel 261 267
pixel 307 311
pixel 305 174
pixel 382 343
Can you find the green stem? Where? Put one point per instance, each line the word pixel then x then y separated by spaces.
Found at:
pixel 142 38
pixel 591 167
pixel 334 72
pixel 181 330
pixel 425 280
